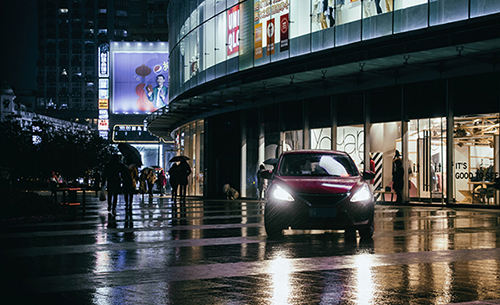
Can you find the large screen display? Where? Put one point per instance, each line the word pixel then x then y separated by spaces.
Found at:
pixel 139 77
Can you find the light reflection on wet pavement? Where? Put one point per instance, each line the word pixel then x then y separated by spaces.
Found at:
pixel 216 252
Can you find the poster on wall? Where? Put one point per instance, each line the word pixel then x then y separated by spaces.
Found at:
pixel 140 82
pixel 233 30
pixel 258 41
pixel 284 33
pixel 270 37
pixel 273 15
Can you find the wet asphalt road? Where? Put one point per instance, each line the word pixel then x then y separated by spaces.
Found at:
pixel 216 252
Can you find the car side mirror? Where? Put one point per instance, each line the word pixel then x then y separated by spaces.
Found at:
pixel 267 174
pixel 368 175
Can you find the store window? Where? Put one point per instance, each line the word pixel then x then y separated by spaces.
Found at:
pixel 321 138
pixel 484 7
pixel 426 164
pixel 476 158
pixel 351 140
pixel 410 15
pixel 446 11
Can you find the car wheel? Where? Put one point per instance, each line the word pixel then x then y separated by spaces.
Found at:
pixel 350 234
pixel 273 225
pixel 366 232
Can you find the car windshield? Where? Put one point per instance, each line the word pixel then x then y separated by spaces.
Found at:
pixel 316 164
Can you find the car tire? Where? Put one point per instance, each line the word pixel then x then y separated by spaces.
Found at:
pixel 274 227
pixel 366 232
pixel 350 234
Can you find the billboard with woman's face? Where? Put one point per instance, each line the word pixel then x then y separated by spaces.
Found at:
pixel 139 77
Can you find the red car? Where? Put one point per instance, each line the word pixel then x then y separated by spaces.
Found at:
pixel 319 189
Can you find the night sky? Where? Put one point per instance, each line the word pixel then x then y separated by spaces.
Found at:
pixel 18 22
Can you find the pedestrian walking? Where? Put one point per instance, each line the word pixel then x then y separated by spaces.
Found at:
pixel 130 176
pixel 113 177
pixel 162 181
pixel 398 180
pixel 184 172
pixel 173 172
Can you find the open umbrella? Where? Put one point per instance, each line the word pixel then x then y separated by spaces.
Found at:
pixel 179 158
pixel 131 154
pixel 271 161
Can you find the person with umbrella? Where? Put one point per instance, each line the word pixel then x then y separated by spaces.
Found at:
pixel 112 174
pixel 130 176
pixel 174 180
pixel 184 172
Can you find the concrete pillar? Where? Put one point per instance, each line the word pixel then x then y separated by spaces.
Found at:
pixel 366 131
pixel 450 147
pixel 243 177
pixel 306 133
pixel 334 123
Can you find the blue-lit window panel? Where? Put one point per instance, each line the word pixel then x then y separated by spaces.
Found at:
pixel 446 11
pixel 231 3
pixel 348 33
pixel 411 18
pixel 209 9
pixel 221 69
pixel 202 77
pixel 209 44
pixel 300 45
pixel 232 65
pixel 484 7
pixel 220 6
pixel 377 26
pixel 265 59
pixel 193 54
pixel 349 30
pixel 300 18
pixel 278 54
pixel 210 75
pixel 220 38
pixel 246 53
pixel 323 39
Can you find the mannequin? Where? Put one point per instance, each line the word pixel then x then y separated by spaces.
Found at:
pixel 389 5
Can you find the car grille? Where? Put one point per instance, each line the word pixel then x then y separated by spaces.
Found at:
pixel 323 200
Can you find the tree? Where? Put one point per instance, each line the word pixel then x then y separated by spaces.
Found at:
pixel 72 154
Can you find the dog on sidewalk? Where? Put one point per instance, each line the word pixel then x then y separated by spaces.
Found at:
pixel 231 193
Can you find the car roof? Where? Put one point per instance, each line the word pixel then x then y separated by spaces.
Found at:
pixel 314 151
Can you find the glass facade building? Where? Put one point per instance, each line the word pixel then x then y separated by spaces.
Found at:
pixel 249 79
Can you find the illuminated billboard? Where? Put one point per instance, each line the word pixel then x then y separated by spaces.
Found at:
pixel 139 77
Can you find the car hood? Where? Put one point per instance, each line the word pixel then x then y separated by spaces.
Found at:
pixel 319 185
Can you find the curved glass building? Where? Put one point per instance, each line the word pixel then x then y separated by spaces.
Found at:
pixel 250 79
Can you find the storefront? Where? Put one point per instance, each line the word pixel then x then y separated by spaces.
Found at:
pixel 250 79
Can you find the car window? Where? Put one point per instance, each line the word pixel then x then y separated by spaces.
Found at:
pixel 317 165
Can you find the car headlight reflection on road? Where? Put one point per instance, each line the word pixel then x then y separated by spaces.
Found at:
pixel 363 194
pixel 280 194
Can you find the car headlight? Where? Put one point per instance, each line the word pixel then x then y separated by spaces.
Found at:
pixel 280 194
pixel 362 194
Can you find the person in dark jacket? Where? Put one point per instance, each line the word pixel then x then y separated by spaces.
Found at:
pixel 112 174
pixel 398 180
pixel 184 172
pixel 162 181
pixel 173 172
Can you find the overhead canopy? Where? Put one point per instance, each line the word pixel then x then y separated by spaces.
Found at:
pixel 431 54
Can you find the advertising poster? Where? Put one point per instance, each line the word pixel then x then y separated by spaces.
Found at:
pixel 233 30
pixel 284 33
pixel 140 82
pixel 270 37
pixel 258 41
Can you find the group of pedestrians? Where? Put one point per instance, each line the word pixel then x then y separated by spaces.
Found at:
pixel 121 178
pixel 179 173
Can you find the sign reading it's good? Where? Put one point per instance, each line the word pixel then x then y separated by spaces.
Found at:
pixel 233 30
